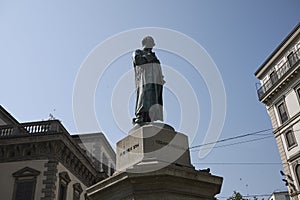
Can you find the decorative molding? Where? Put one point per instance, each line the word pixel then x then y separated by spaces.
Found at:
pixel 294 181
pixel 26 175
pixel 25 172
pixel 59 150
pixel 283 83
pixel 294 157
pixel 65 177
pixel 289 123
pixel 48 140
pixel 77 187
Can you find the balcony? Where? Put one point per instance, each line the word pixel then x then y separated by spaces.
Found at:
pixel 279 74
pixel 31 128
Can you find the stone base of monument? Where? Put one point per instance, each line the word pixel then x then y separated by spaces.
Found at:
pixel 152 145
pixel 153 162
pixel 169 183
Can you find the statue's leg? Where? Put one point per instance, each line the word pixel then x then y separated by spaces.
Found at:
pixel 156 107
pixel 139 107
pixel 146 117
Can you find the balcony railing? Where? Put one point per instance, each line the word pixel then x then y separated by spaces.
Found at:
pixel 32 128
pixel 276 75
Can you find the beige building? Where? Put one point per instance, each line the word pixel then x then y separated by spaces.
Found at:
pixel 41 160
pixel 280 91
pixel 284 195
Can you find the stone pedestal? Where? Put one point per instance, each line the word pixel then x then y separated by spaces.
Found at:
pixel 153 163
pixel 150 144
pixel 169 183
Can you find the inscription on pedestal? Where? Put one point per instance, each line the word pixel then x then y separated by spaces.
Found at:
pixel 129 149
pixel 152 144
pixel 169 145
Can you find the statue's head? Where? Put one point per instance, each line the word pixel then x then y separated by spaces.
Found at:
pixel 148 42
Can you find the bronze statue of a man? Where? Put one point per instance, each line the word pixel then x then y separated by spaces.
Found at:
pixel 149 83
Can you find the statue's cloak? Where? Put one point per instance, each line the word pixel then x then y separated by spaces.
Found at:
pixel 149 85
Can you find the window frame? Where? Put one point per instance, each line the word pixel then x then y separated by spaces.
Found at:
pixel 63 191
pixel 282 121
pixel 112 169
pixel 273 77
pixel 297 168
pixel 297 90
pixel 105 164
pixel 77 190
pixel 20 181
pixel 290 146
pixel 25 175
pixel 287 197
pixel 291 58
pixel 64 180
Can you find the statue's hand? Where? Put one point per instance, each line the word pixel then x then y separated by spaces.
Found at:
pixel 138 52
pixel 149 57
pixel 163 80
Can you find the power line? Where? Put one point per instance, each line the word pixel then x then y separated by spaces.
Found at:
pixel 236 137
pixel 236 143
pixel 224 163
pixel 239 163
pixel 231 138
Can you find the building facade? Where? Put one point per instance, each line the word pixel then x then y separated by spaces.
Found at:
pixel 279 78
pixel 98 150
pixel 41 160
pixel 284 195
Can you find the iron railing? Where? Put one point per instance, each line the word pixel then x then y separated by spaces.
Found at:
pixel 276 75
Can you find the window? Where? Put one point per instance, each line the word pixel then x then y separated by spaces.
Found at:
pixel 298 93
pixel 282 112
pixel 112 170
pixel 297 169
pixel 287 197
pixel 266 83
pixel 62 191
pixel 64 180
pixel 292 58
pixel 77 191
pixel 24 190
pixel 290 139
pixel 273 77
pixel 25 182
pixel 105 164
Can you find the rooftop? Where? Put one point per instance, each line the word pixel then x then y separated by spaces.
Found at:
pixel 277 49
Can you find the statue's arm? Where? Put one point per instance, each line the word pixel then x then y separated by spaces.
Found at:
pixel 140 57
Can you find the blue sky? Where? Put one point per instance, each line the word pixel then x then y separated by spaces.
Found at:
pixel 44 43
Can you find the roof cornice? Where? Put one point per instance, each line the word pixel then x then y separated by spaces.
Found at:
pixel 278 50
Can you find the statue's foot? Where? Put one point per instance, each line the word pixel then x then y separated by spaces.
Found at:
pixel 137 120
